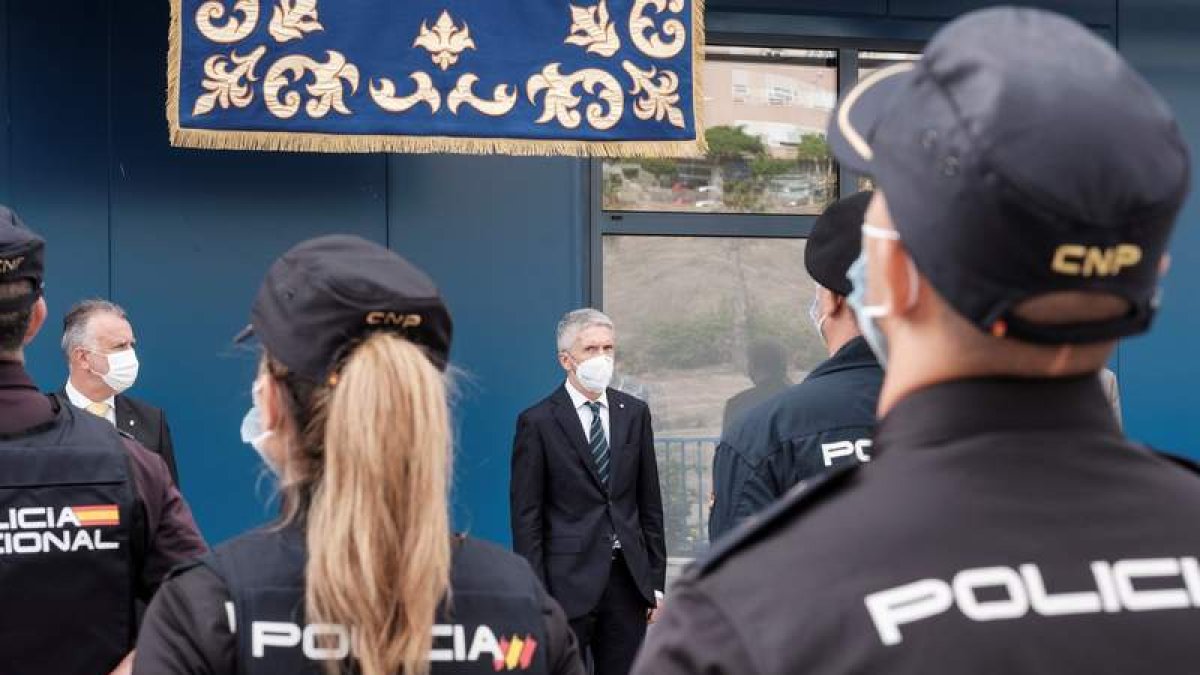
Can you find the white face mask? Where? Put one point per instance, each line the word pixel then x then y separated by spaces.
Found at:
pixel 815 315
pixel 596 373
pixel 122 369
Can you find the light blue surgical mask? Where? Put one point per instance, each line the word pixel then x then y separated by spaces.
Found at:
pixel 867 316
pixel 253 433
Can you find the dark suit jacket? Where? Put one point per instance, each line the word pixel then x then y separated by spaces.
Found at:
pixel 147 425
pixel 563 518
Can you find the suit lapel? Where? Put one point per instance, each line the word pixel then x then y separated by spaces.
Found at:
pixel 568 419
pixel 619 422
pixel 123 413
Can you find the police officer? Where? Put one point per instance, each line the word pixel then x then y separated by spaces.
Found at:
pixel 1028 181
pixel 350 412
pixel 89 520
pixel 826 420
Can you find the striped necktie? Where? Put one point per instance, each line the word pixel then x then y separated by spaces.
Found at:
pixel 598 442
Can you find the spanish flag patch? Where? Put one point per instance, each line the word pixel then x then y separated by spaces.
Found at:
pixel 97 515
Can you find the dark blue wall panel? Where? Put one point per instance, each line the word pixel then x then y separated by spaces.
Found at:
pixel 1160 372
pixel 504 239
pixel 58 146
pixel 192 235
pixel 4 98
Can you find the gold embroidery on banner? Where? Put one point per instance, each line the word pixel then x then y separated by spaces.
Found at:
pixel 502 99
pixel 445 42
pixel 293 19
pixel 384 94
pixel 233 30
pixel 326 89
pixel 224 84
pixel 560 103
pixel 674 29
pixel 591 28
pixel 660 94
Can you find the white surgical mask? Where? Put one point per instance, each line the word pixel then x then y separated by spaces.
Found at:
pixel 814 313
pixel 596 373
pixel 122 369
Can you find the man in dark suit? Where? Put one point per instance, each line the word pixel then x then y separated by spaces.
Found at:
pixel 585 501
pixel 99 344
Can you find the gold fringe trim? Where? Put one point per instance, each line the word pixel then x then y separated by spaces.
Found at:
pixel 174 56
pixel 700 143
pixel 289 141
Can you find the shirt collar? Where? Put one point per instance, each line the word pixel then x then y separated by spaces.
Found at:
pixel 80 401
pixel 578 398
pixel 961 408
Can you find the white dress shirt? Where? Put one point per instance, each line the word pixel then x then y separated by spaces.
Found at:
pixel 82 402
pixel 581 401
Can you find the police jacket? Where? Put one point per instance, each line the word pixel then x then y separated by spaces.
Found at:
pixel 66 546
pixel 824 422
pixel 240 610
pixel 1003 526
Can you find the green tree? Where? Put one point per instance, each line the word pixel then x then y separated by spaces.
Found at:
pixel 660 168
pixel 726 143
pixel 813 156
pixel 766 167
pixel 812 148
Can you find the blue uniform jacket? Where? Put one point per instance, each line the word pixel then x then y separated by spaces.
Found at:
pixel 825 421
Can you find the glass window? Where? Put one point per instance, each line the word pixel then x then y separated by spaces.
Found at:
pixel 869 62
pixel 765 112
pixel 706 328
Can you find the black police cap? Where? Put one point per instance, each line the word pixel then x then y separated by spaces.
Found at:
pixel 326 294
pixel 1022 156
pixel 836 241
pixel 21 257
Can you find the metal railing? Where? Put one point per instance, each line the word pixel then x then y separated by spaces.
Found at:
pixel 685 474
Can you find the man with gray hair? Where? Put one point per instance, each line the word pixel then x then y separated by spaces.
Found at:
pixel 98 343
pixel 584 498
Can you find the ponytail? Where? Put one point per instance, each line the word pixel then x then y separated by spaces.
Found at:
pixel 377 522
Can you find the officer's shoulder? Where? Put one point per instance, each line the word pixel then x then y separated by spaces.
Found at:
pixel 1185 463
pixel 255 544
pixel 797 411
pixel 477 559
pixel 775 519
pixel 542 409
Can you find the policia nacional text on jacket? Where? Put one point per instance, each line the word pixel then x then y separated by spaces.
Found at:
pixel 243 609
pixel 89 520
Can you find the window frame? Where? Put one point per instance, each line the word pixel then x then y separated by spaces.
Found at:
pixel 751 32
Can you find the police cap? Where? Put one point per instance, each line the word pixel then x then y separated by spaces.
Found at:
pixel 836 241
pixel 21 257
pixel 1022 156
pixel 326 294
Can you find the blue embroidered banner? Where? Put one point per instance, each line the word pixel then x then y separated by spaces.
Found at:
pixel 601 77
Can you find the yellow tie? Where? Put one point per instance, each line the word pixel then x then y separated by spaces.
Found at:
pixel 98 409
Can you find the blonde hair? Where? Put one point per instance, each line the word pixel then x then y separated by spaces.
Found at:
pixel 370 479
